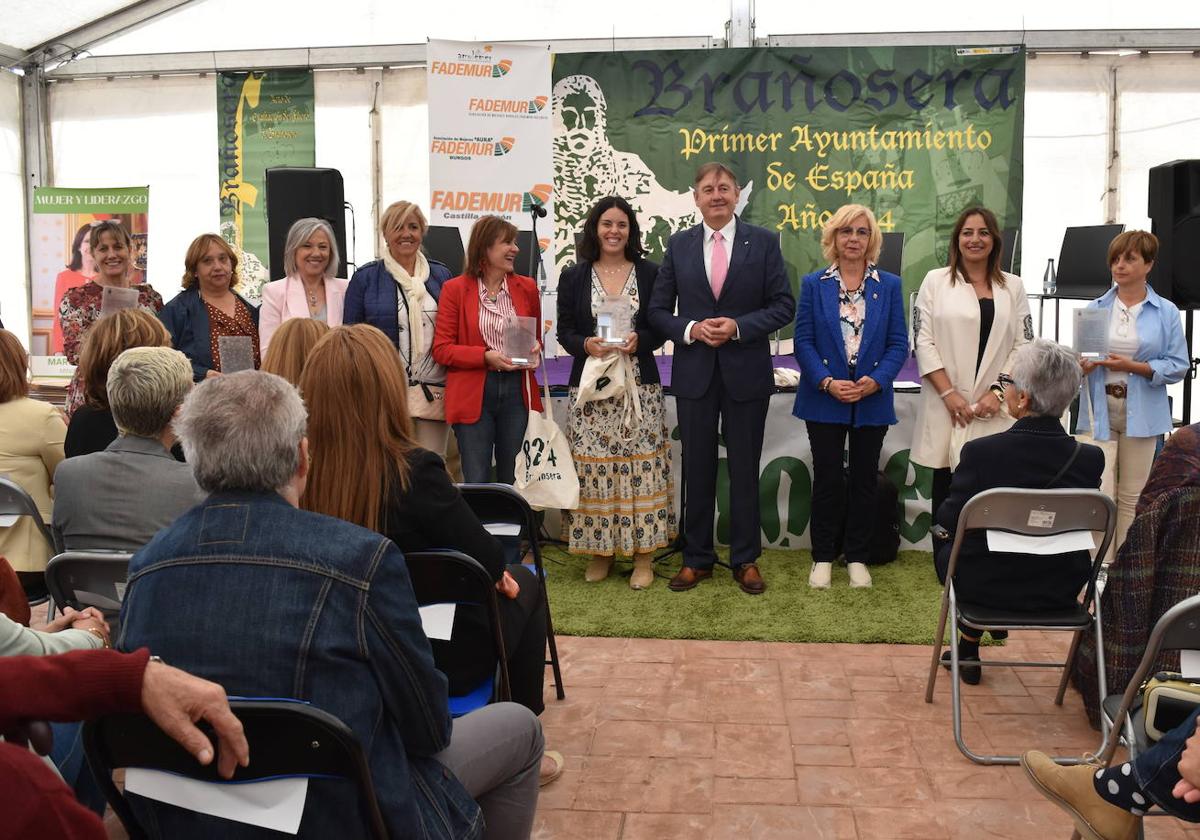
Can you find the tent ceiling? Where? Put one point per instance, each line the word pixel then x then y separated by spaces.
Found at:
pixel 29 23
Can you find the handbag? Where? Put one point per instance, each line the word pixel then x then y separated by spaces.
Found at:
pixel 1167 701
pixel 610 377
pixel 426 401
pixel 545 471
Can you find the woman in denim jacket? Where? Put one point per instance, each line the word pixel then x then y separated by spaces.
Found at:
pixel 1125 408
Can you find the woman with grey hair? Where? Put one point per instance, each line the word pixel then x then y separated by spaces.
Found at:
pixel 1035 453
pixel 310 287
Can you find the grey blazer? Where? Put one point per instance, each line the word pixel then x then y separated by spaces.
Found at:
pixel 121 497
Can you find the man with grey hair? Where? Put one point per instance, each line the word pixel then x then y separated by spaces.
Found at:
pixel 274 601
pixel 119 498
pixel 1034 453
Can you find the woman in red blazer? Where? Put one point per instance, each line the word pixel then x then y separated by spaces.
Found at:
pixel 487 397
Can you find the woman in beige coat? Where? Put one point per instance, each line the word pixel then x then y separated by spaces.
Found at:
pixel 969 320
pixel 31 445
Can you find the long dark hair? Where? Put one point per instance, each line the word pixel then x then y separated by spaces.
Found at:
pixel 589 247
pixel 76 262
pixel 994 274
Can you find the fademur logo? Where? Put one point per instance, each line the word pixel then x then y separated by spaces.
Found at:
pixel 470 148
pixel 475 62
pixel 507 106
pixel 491 202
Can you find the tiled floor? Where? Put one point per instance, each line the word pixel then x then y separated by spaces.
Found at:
pixel 748 740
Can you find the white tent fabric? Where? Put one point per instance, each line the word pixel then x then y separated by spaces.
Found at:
pixel 14 300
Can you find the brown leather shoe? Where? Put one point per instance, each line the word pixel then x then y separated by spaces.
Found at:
pixel 750 579
pixel 687 578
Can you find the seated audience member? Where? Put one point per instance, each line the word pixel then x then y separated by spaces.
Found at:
pixel 89 684
pixel 31 445
pixel 355 388
pixel 290 348
pixel 273 601
pixel 1034 453
pixel 208 309
pixel 1109 803
pixel 119 498
pixel 1156 567
pixel 92 427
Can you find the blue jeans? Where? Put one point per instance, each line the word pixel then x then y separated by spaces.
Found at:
pixel 67 755
pixel 1157 771
pixel 499 429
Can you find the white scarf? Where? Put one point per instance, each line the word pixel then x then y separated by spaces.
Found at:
pixel 413 288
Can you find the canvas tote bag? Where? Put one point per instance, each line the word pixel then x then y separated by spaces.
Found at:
pixel 545 472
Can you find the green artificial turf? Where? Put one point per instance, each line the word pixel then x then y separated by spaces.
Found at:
pixel 901 607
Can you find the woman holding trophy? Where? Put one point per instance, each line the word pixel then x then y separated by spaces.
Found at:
pixel 617 424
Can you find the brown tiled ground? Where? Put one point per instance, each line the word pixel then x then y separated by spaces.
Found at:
pixel 749 740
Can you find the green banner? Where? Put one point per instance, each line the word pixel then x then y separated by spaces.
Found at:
pixel 265 119
pixel 115 201
pixel 915 133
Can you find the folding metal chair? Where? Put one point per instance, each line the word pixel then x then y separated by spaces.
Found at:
pixel 1178 629
pixel 442 576
pixel 79 579
pixel 14 501
pixel 287 738
pixel 505 514
pixel 1038 513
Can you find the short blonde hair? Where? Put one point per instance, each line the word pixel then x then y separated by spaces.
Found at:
pixel 300 232
pixel 398 213
pixel 840 219
pixel 145 386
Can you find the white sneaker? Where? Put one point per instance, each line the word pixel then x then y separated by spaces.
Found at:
pixel 860 578
pixel 820 575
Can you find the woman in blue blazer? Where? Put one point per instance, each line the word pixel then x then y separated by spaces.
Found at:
pixel 850 342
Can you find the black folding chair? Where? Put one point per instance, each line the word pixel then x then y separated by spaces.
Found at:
pixel 443 576
pixel 14 501
pixel 79 579
pixel 1039 513
pixel 502 509
pixel 286 737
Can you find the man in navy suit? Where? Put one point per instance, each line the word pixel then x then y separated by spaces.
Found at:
pixel 732 289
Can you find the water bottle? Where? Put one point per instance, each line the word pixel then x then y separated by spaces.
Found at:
pixel 1049 280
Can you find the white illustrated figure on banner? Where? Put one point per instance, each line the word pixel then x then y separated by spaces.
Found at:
pixel 588 168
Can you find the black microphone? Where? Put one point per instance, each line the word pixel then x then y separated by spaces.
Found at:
pixel 538 210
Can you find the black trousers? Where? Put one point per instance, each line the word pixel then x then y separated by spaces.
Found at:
pixel 835 507
pixel 467 659
pixel 741 424
pixel 941 489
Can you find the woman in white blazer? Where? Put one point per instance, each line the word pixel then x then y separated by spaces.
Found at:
pixel 969 321
pixel 309 289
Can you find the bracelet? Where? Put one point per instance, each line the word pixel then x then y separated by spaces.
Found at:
pixel 103 641
pixel 946 393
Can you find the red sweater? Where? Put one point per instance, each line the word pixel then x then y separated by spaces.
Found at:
pixel 72 686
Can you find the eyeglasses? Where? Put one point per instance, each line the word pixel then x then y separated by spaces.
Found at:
pixel 861 233
pixel 1005 380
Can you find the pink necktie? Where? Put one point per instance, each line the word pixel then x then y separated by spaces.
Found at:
pixel 720 264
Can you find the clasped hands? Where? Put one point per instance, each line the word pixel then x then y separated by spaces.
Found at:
pixel 89 619
pixel 844 390
pixel 714 331
pixel 962 413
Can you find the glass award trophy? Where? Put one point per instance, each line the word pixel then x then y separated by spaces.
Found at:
pixel 115 298
pixel 1091 333
pixel 614 320
pixel 237 353
pixel 520 339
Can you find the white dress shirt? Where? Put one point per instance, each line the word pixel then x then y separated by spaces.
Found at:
pixel 728 232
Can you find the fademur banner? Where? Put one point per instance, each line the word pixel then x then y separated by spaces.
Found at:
pixel 264 119
pixel 915 133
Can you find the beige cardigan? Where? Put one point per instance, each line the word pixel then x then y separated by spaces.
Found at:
pixel 946 326
pixel 31 445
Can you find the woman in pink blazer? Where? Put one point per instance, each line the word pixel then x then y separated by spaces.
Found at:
pixel 309 289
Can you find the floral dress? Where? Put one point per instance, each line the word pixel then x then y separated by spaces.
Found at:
pixel 78 310
pixel 626 495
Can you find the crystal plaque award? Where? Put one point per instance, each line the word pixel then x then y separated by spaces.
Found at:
pixel 520 339
pixel 237 353
pixel 115 298
pixel 614 320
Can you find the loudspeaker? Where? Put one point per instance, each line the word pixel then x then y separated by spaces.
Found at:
pixel 892 253
pixel 1175 219
pixel 300 192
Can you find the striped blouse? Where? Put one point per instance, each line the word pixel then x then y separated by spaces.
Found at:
pixel 494 314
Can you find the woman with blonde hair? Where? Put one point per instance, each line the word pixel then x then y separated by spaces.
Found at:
pixel 92 428
pixel 310 288
pixel 399 294
pixel 208 309
pixel 31 446
pixel 356 393
pixel 970 320
pixel 111 250
pixel 850 342
pixel 294 340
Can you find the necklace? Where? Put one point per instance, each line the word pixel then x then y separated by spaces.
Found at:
pixel 312 294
